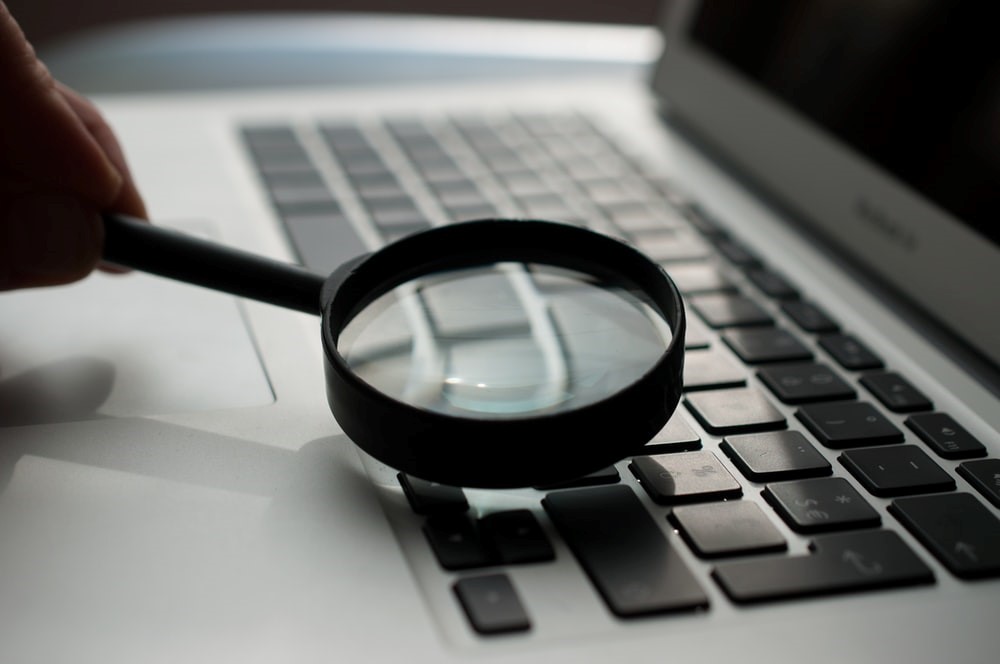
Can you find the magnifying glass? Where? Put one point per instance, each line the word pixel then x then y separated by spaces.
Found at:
pixel 494 353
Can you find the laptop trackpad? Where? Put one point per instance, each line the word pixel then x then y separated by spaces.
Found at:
pixel 124 345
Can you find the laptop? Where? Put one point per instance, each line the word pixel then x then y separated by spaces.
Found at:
pixel 820 182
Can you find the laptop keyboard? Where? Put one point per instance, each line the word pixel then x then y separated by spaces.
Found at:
pixel 861 435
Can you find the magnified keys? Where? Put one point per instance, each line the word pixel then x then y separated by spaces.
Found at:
pixel 495 353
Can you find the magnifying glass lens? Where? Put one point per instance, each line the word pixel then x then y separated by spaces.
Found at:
pixel 505 340
pixel 496 353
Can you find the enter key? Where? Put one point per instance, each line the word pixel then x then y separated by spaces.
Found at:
pixel 847 562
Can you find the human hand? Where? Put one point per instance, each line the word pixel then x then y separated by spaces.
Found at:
pixel 60 166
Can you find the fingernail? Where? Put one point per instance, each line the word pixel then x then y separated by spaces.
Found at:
pixel 47 240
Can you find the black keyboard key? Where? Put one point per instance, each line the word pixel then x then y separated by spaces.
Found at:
pixel 723 310
pixel 736 253
pixel 363 164
pixel 895 392
pixel 984 475
pixel 635 218
pixel 736 527
pixel 623 551
pixel 958 529
pixel 809 317
pixel 738 410
pixel 526 183
pixel 491 604
pixel 456 195
pixel 845 562
pixel 289 198
pixel 608 192
pixel 698 335
pixel 776 455
pixel 848 424
pixel 323 240
pixel 704 221
pixel 432 498
pixel 827 503
pixel 269 135
pixel 401 202
pixel 696 278
pixel 471 212
pixel 515 537
pixel 772 284
pixel 673 246
pixel 805 383
pixel 389 219
pixel 946 437
pixel 849 352
pixel 281 158
pixel 344 136
pixel 896 471
pixel 293 180
pixel 767 344
pixel 456 542
pixel 672 479
pixel 711 369
pixel 676 436
pixel 378 186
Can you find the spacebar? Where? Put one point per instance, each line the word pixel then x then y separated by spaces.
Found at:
pixel 622 550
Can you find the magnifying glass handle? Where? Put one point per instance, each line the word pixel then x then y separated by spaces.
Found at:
pixel 136 244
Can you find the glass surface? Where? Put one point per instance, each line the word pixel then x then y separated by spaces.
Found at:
pixel 912 85
pixel 505 340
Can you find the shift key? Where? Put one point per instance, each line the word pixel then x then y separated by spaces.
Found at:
pixel 623 551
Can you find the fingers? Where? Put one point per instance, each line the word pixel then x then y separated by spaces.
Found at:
pixel 48 238
pixel 128 200
pixel 43 138
pixel 60 164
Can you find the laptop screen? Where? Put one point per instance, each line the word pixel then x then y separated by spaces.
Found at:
pixel 873 123
pixel 863 71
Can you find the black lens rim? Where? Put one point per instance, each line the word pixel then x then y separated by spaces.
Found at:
pixel 499 453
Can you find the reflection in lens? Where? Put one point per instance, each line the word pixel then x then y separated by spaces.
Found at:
pixel 505 340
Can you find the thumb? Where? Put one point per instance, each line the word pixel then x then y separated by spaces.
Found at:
pixel 47 239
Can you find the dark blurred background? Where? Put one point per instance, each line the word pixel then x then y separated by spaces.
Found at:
pixel 48 20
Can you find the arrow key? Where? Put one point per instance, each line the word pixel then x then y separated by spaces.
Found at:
pixel 958 529
pixel 984 475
